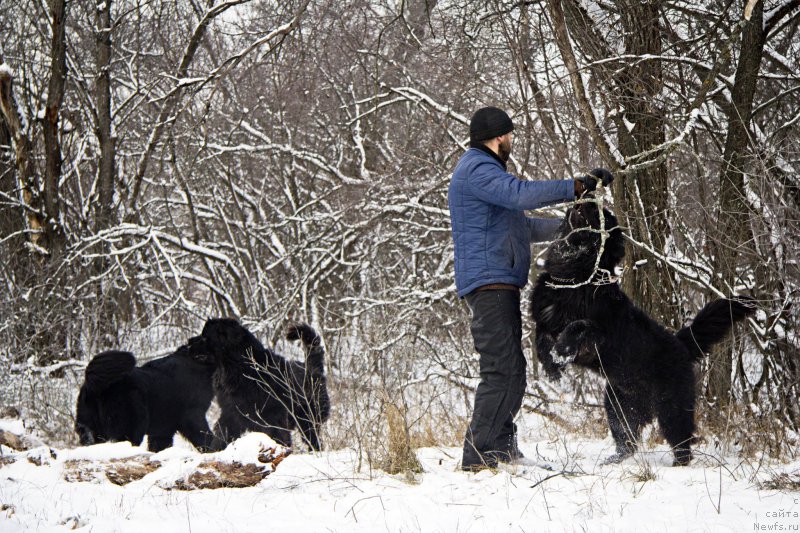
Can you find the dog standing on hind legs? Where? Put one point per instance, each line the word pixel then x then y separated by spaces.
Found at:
pixel 582 317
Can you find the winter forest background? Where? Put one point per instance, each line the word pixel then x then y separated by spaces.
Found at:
pixel 162 162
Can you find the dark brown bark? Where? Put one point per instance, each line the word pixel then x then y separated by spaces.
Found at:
pixel 11 220
pixel 633 87
pixel 524 51
pixel 50 127
pixel 562 36
pixel 733 237
pixel 106 165
pixel 639 85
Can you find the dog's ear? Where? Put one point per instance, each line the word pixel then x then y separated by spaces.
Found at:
pixel 211 331
pixel 222 332
pixel 226 333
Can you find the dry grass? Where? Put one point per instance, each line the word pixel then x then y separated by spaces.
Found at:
pixel 117 471
pixel 41 457
pixel 400 456
pixel 7 509
pixel 431 432
pixel 643 472
pixel 739 429
pixel 783 482
pixel 211 474
pixel 218 474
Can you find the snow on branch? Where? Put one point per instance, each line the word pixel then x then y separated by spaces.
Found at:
pixel 605 276
pixel 167 113
pixel 146 234
pixel 303 155
pixel 419 97
pixel 703 280
pixel 663 150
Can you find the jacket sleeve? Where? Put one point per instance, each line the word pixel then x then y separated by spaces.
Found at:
pixel 488 182
pixel 543 229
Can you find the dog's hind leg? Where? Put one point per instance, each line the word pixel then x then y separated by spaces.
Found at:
pixel 280 435
pixel 310 432
pixel 156 443
pixel 228 428
pixel 308 422
pixel 195 428
pixel 128 418
pixel 676 419
pixel 625 421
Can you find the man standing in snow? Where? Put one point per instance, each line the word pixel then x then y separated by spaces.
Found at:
pixel 492 239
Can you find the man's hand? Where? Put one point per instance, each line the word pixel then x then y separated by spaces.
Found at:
pixel 588 183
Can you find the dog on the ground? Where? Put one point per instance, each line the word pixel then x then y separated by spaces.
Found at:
pixel 119 401
pixel 583 317
pixel 260 390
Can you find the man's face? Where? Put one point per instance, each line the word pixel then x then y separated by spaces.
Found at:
pixel 504 150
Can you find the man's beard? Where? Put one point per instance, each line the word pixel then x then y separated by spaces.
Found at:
pixel 504 150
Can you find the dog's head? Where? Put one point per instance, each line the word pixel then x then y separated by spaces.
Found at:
pixel 89 416
pixel 196 349
pixel 583 234
pixel 103 373
pixel 226 337
pixel 84 422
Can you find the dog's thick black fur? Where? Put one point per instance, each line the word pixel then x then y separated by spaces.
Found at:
pixel 119 401
pixel 259 390
pixel 650 371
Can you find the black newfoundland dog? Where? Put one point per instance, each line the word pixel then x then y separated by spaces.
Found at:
pixel 583 317
pixel 259 390
pixel 119 401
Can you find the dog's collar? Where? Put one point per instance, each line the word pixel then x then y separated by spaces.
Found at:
pixel 600 276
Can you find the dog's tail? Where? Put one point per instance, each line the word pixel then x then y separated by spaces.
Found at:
pixel 107 368
pixel 315 351
pixel 713 323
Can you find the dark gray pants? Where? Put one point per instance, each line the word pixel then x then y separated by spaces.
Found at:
pixel 497 332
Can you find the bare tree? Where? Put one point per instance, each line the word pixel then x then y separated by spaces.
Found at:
pixel 106 172
pixel 277 160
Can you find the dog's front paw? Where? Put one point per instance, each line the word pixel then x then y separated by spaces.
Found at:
pixel 563 353
pixel 552 370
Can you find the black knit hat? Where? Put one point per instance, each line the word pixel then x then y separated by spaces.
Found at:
pixel 488 123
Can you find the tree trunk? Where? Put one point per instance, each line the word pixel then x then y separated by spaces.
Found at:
pixel 561 162
pixel 640 85
pixel 562 35
pixel 733 237
pixel 106 165
pixel 634 88
pixel 25 170
pixel 11 223
pixel 52 143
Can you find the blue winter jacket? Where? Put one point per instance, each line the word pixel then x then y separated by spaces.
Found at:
pixel 491 233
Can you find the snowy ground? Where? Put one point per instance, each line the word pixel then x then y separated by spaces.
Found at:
pixel 324 492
